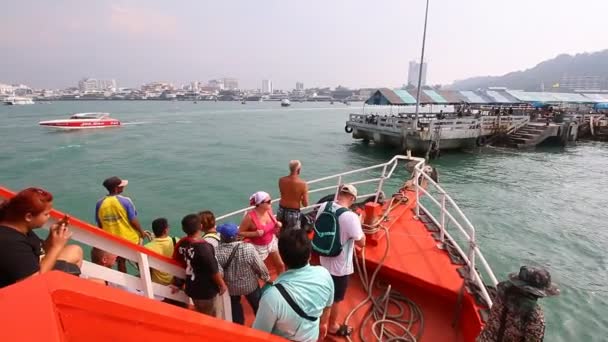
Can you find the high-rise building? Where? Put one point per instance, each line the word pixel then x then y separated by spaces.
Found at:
pixel 231 83
pixel 267 86
pixel 414 73
pixel 216 84
pixel 91 85
pixel 587 83
pixel 299 86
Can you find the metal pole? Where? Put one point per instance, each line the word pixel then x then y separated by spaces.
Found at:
pixel 443 209
pixel 426 15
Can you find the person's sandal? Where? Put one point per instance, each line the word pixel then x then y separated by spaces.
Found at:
pixel 343 331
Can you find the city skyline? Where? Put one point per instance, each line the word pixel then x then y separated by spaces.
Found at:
pixel 49 45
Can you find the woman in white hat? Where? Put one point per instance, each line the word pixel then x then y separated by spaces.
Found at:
pixel 260 227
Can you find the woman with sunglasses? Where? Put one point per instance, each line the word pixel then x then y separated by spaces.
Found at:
pixel 260 227
pixel 22 253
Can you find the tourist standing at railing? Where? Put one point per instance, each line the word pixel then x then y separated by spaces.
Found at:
pixel 297 306
pixel 204 282
pixel 22 253
pixel 340 266
pixel 162 244
pixel 260 227
pixel 116 215
pixel 210 233
pixel 516 315
pixel 294 195
pixel 242 268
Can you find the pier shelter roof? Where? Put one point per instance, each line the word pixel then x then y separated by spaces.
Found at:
pixel 403 97
pixel 597 98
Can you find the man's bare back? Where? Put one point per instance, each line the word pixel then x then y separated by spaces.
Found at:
pixel 294 192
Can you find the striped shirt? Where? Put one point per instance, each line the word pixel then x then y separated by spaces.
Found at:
pixel 245 268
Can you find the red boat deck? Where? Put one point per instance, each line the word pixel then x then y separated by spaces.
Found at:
pixel 418 269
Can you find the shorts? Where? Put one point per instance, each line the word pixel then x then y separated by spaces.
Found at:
pixel 67 267
pixel 290 218
pixel 340 286
pixel 209 307
pixel 265 250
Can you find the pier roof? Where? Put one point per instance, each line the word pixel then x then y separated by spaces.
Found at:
pixel 403 97
pixel 597 98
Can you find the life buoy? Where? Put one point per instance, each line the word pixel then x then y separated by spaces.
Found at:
pixel 348 129
pixel 481 141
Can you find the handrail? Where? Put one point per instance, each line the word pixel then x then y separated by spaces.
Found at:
pixel 458 219
pixel 473 250
pixel 90 235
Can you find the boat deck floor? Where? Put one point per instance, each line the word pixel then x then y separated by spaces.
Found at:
pixel 415 267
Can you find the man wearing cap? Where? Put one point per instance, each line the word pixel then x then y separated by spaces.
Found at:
pixel 515 314
pixel 242 268
pixel 116 215
pixel 341 266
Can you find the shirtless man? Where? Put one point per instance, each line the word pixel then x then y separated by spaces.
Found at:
pixel 294 194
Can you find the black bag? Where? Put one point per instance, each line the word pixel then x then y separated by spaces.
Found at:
pixel 293 304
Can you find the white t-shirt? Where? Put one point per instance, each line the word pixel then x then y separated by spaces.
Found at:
pixel 350 231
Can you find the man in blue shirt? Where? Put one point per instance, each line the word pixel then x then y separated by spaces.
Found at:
pixel 310 289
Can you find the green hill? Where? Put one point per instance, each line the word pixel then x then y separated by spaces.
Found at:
pixel 549 72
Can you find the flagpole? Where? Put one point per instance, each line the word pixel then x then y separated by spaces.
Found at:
pixel 420 68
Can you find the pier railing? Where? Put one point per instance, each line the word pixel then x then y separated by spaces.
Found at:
pixel 449 212
pixel 484 125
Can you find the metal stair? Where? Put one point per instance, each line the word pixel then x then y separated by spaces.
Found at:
pixel 529 136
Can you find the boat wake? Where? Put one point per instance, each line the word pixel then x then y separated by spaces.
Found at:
pixel 135 123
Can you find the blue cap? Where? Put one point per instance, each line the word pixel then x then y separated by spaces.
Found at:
pixel 228 229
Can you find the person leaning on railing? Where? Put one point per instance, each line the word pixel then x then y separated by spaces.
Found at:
pixel 117 215
pixel 204 282
pixel 22 253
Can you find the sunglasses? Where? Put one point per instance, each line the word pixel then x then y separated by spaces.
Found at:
pixel 267 202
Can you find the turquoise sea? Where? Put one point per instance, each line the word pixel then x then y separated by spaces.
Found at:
pixel 545 207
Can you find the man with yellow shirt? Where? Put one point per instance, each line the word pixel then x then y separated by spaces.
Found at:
pixel 162 244
pixel 116 215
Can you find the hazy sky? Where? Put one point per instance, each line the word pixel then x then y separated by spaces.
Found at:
pixel 320 42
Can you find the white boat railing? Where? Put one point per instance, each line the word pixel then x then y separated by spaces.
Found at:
pixel 469 253
pixel 144 259
pixel 459 220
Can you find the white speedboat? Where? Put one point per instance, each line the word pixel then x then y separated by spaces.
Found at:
pixel 15 101
pixel 285 103
pixel 83 120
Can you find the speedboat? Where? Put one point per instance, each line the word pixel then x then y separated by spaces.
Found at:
pixel 83 120
pixel 285 103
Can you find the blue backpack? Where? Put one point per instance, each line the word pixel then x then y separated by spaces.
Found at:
pixel 326 241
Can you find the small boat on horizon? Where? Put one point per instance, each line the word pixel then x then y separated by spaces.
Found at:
pixel 82 121
pixel 285 103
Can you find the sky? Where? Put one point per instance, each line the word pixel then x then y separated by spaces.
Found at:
pixel 355 43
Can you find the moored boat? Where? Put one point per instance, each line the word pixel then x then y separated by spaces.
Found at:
pixel 285 103
pixel 83 121
pixel 414 267
pixel 16 101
